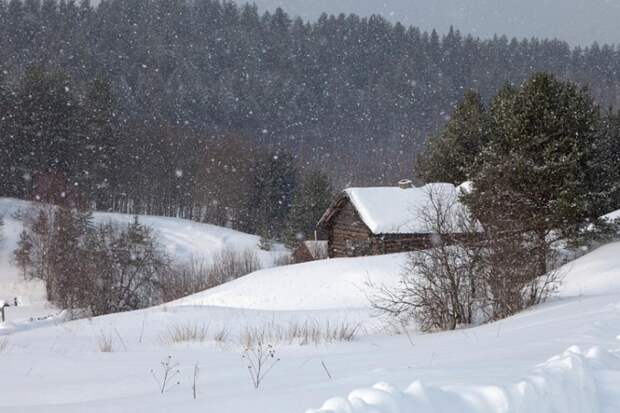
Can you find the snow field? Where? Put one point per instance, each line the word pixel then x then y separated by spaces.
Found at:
pixel 491 368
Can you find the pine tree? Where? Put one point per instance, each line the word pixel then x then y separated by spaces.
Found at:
pixel 604 174
pixel 40 237
pixel 23 253
pixel 7 141
pixel 47 134
pixel 311 201
pixel 275 181
pixel 99 163
pixel 450 155
pixel 532 177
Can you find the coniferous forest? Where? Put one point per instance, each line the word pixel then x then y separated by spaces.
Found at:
pixel 211 111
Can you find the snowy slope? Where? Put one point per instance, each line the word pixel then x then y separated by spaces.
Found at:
pixel 517 365
pixel 182 239
pixel 12 283
pixel 327 284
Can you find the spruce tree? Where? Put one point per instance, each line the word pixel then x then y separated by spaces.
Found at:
pixel 47 134
pixel 273 189
pixel 533 174
pixel 449 156
pixel 23 253
pixel 311 200
pixel 99 162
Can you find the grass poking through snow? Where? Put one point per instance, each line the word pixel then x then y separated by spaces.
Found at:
pixel 186 333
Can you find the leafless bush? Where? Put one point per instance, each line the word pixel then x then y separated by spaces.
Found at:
pixel 438 286
pixel 468 275
pixel 199 275
pixel 101 269
pixel 512 275
pixel 231 264
pixel 185 279
pixel 189 332
pixel 261 359
pixel 169 371
pixel 104 343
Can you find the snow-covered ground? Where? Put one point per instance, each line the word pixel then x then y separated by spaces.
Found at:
pixel 320 285
pixel 558 357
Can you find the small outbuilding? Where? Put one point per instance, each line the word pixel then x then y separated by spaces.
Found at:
pixel 381 220
pixel 310 251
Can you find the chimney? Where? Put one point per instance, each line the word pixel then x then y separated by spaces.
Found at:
pixel 405 184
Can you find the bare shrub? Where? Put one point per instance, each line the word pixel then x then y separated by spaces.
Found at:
pixel 123 269
pixel 200 274
pixel 231 264
pixel 512 275
pixel 98 269
pixel 470 274
pixel 260 360
pixel 169 371
pixel 438 286
pixel 185 279
pixel 104 343
pixel 189 332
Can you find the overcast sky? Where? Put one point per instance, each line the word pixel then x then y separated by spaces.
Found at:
pixel 576 21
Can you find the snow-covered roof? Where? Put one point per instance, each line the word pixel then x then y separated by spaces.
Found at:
pixel 393 210
pixel 612 216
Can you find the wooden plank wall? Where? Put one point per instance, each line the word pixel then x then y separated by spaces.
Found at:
pixel 346 229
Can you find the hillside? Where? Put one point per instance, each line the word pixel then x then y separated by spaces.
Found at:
pixel 332 284
pixel 183 240
pixel 491 368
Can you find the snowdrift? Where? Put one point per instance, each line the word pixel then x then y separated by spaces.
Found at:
pixel 597 273
pixel 327 284
pixel 575 381
pixel 343 282
pixel 572 382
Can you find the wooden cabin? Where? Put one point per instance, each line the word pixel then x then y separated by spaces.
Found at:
pixel 381 220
